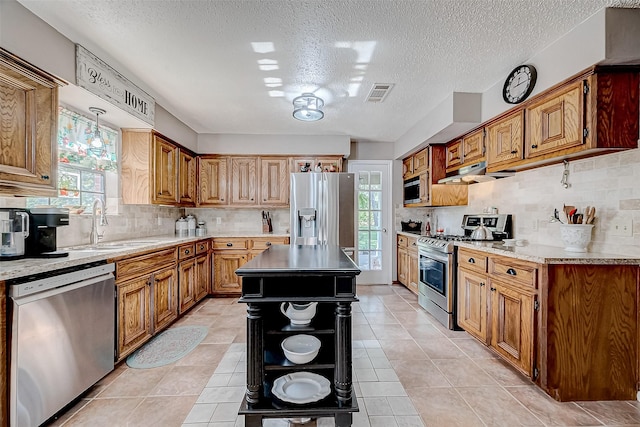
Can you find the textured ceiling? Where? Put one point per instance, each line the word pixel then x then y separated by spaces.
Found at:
pixel 235 66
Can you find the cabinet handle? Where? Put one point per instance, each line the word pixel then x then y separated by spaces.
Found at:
pixel 252 199
pixel 514 151
pixel 44 176
pixel 512 272
pixel 229 244
pixel 222 199
pixel 472 261
pixel 264 200
pixel 413 244
pixel 482 284
pixel 493 289
pixel 534 145
pixel 187 252
pixel 268 244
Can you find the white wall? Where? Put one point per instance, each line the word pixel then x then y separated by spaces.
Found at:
pixel 273 144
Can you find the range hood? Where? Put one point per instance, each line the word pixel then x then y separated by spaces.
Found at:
pixel 474 173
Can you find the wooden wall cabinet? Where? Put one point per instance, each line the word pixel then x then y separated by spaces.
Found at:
pixel 29 109
pixel 147 293
pixel 416 164
pixel 432 169
pixel 504 140
pixel 274 181
pixel 594 112
pixel 213 181
pixel 244 191
pixel 465 151
pixel 150 168
pixel 187 182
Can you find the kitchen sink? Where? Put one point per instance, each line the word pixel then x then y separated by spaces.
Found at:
pixel 113 246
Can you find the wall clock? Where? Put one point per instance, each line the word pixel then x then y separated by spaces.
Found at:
pixel 519 84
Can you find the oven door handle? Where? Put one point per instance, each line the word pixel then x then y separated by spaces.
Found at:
pixel 444 258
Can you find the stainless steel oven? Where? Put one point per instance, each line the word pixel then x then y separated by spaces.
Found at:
pixel 436 286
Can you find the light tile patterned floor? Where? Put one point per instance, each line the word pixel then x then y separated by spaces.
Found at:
pixel 408 371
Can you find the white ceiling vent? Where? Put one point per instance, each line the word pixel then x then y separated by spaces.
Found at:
pixel 379 92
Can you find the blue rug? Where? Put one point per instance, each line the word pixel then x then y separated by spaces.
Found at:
pixel 167 347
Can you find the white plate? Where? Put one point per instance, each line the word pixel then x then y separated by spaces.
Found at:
pixel 301 387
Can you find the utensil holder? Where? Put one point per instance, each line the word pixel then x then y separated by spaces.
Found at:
pixel 576 237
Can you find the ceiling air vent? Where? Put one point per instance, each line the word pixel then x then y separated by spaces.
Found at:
pixel 379 92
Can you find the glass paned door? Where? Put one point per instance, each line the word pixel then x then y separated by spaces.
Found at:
pixel 372 184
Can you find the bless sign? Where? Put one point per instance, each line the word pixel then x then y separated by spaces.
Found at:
pixel 99 78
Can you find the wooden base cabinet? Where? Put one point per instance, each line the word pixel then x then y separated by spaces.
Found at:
pixel 228 255
pixel 147 293
pixel 499 312
pixel 407 252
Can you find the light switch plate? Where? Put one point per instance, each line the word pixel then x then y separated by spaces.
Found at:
pixel 621 227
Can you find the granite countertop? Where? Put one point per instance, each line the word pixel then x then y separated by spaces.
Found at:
pixel 298 259
pixel 79 255
pixel 409 234
pixel 543 254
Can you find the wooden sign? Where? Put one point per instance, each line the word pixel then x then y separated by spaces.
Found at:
pixel 99 78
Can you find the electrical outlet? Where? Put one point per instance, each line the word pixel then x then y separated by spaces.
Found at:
pixel 218 220
pixel 621 227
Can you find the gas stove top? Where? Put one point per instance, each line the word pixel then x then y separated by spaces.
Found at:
pixel 443 243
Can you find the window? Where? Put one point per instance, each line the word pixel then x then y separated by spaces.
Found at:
pixel 83 171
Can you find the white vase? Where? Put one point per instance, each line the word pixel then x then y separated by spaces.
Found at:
pixel 575 237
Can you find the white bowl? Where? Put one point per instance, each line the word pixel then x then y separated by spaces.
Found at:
pixel 301 348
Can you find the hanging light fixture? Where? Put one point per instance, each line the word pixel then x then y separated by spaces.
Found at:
pixel 96 140
pixel 308 107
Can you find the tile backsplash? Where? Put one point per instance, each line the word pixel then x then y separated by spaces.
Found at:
pixel 609 182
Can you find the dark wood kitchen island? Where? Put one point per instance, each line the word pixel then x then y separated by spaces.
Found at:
pixel 299 275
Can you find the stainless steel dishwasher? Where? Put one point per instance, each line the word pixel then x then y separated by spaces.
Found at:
pixel 62 339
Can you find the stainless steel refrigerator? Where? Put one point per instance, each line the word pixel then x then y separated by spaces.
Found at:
pixel 322 210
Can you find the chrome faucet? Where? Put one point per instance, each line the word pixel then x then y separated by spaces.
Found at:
pixel 94 237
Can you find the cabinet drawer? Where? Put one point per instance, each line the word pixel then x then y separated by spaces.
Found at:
pixel 412 244
pixel 202 247
pixel 186 251
pixel 402 240
pixel 509 271
pixel 472 260
pixel 264 242
pixel 146 263
pixel 230 243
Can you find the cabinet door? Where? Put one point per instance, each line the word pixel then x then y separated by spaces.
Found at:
pixel 473 147
pixel 212 181
pixel 187 278
pixel 225 264
pixel 555 122
pixel 165 298
pixel 187 181
pixel 504 140
pixel 165 172
pixel 453 155
pixel 29 110
pixel 512 325
pixel 403 266
pixel 202 276
pixel 407 167
pixel 243 181
pixel 472 304
pixel 274 183
pixel 424 188
pixel 412 266
pixel 134 322
pixel 421 161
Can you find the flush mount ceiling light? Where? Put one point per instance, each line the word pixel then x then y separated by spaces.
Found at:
pixel 96 140
pixel 308 107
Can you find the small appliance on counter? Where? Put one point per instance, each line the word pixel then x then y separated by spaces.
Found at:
pixel 411 226
pixel 14 226
pixel 43 223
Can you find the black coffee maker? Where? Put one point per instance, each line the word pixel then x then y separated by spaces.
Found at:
pixel 43 223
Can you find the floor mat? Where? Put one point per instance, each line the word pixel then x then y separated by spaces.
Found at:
pixel 167 347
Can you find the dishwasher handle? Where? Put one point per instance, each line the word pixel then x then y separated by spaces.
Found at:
pixel 25 299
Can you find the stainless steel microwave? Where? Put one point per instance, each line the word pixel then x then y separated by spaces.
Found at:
pixel 411 191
